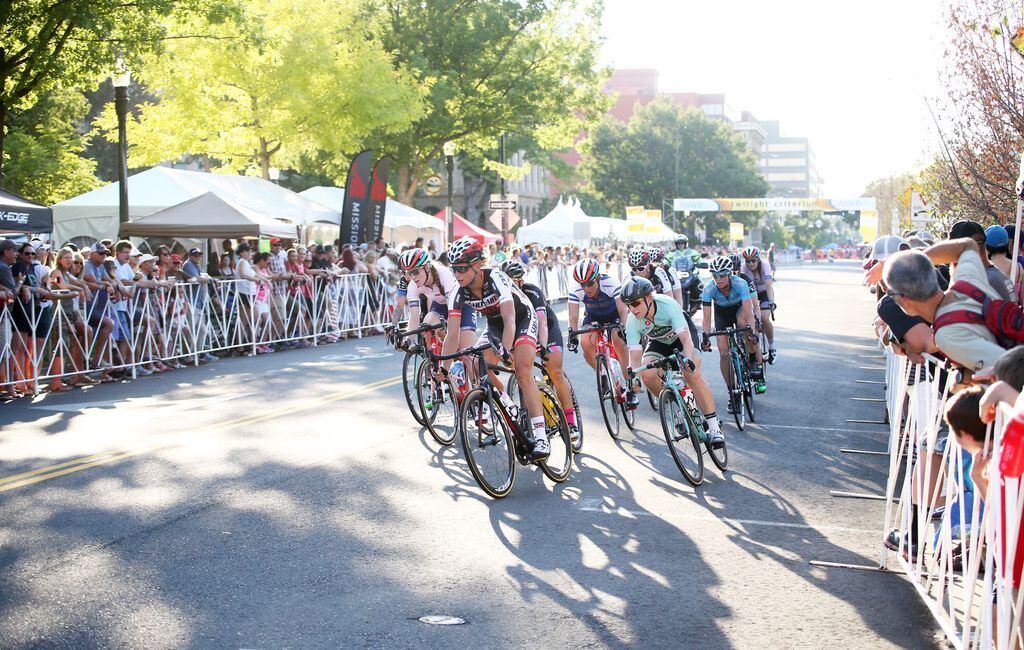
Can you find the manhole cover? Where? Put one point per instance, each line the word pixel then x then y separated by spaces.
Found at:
pixel 436 619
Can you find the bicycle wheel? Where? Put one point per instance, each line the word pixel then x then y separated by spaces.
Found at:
pixel 764 357
pixel 720 457
pixel 578 447
pixel 736 392
pixel 487 445
pixel 652 400
pixel 748 400
pixel 628 416
pixel 437 405
pixel 558 465
pixel 681 437
pixel 410 374
pixel 606 395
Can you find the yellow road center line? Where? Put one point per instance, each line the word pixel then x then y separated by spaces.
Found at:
pixel 60 469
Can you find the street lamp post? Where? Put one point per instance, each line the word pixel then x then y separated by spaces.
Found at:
pixel 120 80
pixel 449 163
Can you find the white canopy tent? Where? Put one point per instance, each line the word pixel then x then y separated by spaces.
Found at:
pixel 95 214
pixel 401 222
pixel 565 224
pixel 209 216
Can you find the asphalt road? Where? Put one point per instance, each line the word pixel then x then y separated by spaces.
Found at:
pixel 291 501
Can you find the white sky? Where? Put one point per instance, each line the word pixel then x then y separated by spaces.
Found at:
pixel 851 76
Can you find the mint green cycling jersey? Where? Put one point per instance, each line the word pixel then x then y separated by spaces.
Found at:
pixel 666 320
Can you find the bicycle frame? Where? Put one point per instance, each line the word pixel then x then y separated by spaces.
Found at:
pixel 675 381
pixel 604 346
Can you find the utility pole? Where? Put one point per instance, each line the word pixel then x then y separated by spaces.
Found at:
pixel 504 211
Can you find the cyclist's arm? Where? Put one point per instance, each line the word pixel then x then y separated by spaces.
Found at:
pixel 621 308
pixel 636 351
pixel 769 288
pixel 413 300
pixel 508 320
pixel 574 315
pixel 706 306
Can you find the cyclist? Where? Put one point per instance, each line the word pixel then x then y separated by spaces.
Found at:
pixel 657 254
pixel 511 327
pixel 686 259
pixel 428 288
pixel 668 330
pixel 729 296
pixel 599 295
pixel 761 270
pixel 549 337
pixel 740 269
pixel 401 299
pixel 640 263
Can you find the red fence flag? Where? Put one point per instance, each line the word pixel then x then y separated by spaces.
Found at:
pixel 354 211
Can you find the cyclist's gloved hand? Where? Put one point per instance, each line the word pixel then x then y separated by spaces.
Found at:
pixel 705 342
pixel 574 343
pixel 503 352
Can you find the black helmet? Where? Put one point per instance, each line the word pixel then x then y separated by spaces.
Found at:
pixel 635 288
pixel 682 239
pixel 513 269
pixel 737 264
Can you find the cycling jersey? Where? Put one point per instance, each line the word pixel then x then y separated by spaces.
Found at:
pixel 659 278
pixel 403 286
pixel 497 290
pixel 673 277
pixel 544 310
pixel 761 276
pixel 439 292
pixel 663 325
pixel 601 308
pixel 738 292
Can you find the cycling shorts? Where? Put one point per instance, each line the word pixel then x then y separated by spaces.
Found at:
pixel 763 299
pixel 468 314
pixel 660 350
pixel 726 317
pixel 555 343
pixel 525 334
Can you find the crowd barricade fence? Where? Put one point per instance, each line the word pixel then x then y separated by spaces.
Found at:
pixel 964 566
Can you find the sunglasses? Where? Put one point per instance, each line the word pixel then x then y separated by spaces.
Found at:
pixel 752 262
pixel 892 294
pixel 721 274
pixel 461 268
pixel 588 284
pixel 635 303
pixel 29 254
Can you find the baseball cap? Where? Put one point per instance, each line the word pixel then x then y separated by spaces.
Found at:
pixel 8 244
pixel 887 246
pixel 147 258
pixel 275 240
pixel 966 228
pixel 194 251
pixel 925 236
pixel 176 258
pixel 98 247
pixel 135 252
pixel 996 237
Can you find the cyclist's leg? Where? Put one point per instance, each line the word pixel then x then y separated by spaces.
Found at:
pixel 749 338
pixel 589 344
pixel 524 350
pixel 725 317
pixel 652 377
pixel 701 389
pixel 769 327
pixel 467 337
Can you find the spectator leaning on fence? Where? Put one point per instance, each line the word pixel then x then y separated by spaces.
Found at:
pixel 997 244
pixel 912 281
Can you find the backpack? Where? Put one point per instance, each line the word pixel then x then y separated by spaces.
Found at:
pixel 1002 317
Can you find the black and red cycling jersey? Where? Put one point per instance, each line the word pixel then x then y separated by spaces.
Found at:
pixel 497 289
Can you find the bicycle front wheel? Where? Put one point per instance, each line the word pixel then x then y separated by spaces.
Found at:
pixel 410 375
pixel 681 436
pixel 748 399
pixel 487 445
pixel 606 395
pixel 437 405
pixel 578 447
pixel 559 463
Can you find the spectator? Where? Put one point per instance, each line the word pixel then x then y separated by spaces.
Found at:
pixel 98 280
pixel 279 277
pixel 8 256
pixel 246 289
pixel 65 277
pixel 996 279
pixel 227 267
pixel 913 283
pixel 262 299
pixel 997 244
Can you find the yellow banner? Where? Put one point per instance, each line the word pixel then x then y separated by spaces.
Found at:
pixel 635 218
pixel 735 231
pixel 868 226
pixel 652 223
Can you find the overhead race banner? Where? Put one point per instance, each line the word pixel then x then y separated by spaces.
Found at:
pixel 354 208
pixel 772 204
pixel 868 226
pixel 374 223
pixel 636 216
pixel 735 231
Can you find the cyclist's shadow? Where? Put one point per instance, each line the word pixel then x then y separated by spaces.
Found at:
pixel 598 557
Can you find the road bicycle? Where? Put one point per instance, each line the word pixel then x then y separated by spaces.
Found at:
pixel 494 431
pixel 545 377
pixel 612 388
pixel 741 384
pixel 682 421
pixel 413 374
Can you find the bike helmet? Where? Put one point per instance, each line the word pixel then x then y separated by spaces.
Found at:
pixel 586 271
pixel 513 269
pixel 639 258
pixel 413 258
pixel 657 253
pixel 634 289
pixel 751 253
pixel 682 239
pixel 721 264
pixel 737 263
pixel 465 251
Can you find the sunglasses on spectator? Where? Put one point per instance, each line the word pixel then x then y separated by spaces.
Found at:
pixel 29 253
pixel 460 268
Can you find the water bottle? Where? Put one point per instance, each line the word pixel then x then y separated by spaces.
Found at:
pixel 510 406
pixel 458 374
pixel 617 371
pixel 688 398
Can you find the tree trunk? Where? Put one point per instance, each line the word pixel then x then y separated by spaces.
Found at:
pixel 264 159
pixel 406 187
pixel 3 128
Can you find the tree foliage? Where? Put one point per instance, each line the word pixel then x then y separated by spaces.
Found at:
pixel 525 67
pixel 666 152
pixel 45 150
pixel 74 42
pixel 889 193
pixel 301 82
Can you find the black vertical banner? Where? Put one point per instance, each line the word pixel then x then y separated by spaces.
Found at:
pixel 374 227
pixel 357 190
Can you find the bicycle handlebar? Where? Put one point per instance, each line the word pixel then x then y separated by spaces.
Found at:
pixel 594 327
pixel 684 362
pixel 467 352
pixel 419 330
pixel 729 331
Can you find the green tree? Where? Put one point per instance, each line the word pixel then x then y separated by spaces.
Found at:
pixel 889 193
pixel 304 82
pixel 524 67
pixel 75 42
pixel 665 152
pixel 45 150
